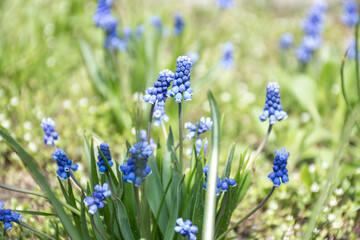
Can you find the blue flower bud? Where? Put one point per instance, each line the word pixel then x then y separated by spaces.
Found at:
pixel 186 229
pixel 280 170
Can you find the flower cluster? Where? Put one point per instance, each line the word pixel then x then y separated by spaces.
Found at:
pixel 227 61
pixel 143 137
pixel 223 4
pixel 158 93
pixel 313 26
pixel 221 185
pixel 104 19
pixel 178 24
pixel 7 216
pixel 202 126
pixel 351 16
pixel 98 197
pixel 159 116
pixel 105 150
pixel 181 85
pixel 286 41
pixel 198 144
pixel 193 56
pixel 186 229
pixel 51 135
pixel 64 164
pixel 273 109
pixel 279 170
pixel 135 169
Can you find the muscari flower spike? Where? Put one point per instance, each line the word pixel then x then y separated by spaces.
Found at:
pixel 139 31
pixel 279 170
pixel 227 61
pixel 273 109
pixel 135 169
pixel 143 137
pixel 158 93
pixel 156 21
pixel 224 4
pixel 204 124
pixel 159 116
pixel 186 229
pixel 350 16
pixel 178 24
pixel 193 56
pixel 65 165
pixel 98 197
pixel 351 52
pixel 198 144
pixel 104 148
pixel 7 217
pixel 127 33
pixel 51 135
pixel 181 85
pixel 221 185
pixel 286 41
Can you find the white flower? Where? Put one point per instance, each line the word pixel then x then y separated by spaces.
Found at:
pixel 312 168
pixel 314 187
pixel 316 231
pixel 339 191
pixel 333 202
pixel 331 217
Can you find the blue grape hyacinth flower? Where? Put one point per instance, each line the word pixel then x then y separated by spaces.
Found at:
pixel 181 89
pixel 273 109
pixel 179 24
pixel 193 56
pixel 280 171
pixel 225 4
pixel 198 144
pixel 186 229
pixel 7 217
pixel 97 200
pixel 158 94
pixel 105 149
pixel 286 41
pixel 156 21
pixel 51 135
pixel 140 29
pixel 65 165
pixel 127 33
pixel 204 124
pixel 227 61
pixel 135 169
pixel 351 15
pixel 221 185
pixel 159 116
pixel 351 52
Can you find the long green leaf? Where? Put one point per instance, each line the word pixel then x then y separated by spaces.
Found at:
pixel 210 200
pixel 41 181
pixel 124 221
pixel 229 159
pixel 91 162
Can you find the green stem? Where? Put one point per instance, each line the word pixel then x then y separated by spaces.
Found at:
pixel 96 228
pixel 138 210
pixel 164 129
pixel 260 148
pixel 72 209
pixel 161 204
pixel 150 122
pixel 35 231
pixel 248 215
pixel 76 182
pixel 181 154
pixel 357 59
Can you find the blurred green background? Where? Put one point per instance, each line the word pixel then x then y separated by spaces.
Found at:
pixel 43 72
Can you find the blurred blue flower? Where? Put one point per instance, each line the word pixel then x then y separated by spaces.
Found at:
pixel 158 93
pixel 181 85
pixel 178 24
pixel 198 144
pixel 221 185
pixel 104 148
pixel 98 197
pixel 223 4
pixel 273 109
pixel 127 32
pixel 186 229
pixel 135 169
pixel 143 137
pixel 113 42
pixel 351 52
pixel 159 116
pixel 351 16
pixel 311 43
pixel 303 54
pixel 286 41
pixel 227 60
pixel 65 165
pixel 51 135
pixel 280 171
pixel 156 21
pixel 193 56
pixel 139 31
pixel 7 216
pixel 204 124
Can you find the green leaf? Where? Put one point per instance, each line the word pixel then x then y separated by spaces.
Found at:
pixel 72 203
pixel 91 163
pixel 305 175
pixel 229 159
pixel 124 220
pixel 33 169
pixel 198 209
pixel 34 213
pixel 128 201
pixel 210 199
pixel 84 228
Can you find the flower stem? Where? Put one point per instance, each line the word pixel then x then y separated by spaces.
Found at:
pixel 76 182
pixel 357 59
pixel 164 129
pixel 181 138
pixel 260 148
pixel 72 209
pixel 249 214
pixel 35 231
pixel 138 210
pixel 96 228
pixel 150 122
